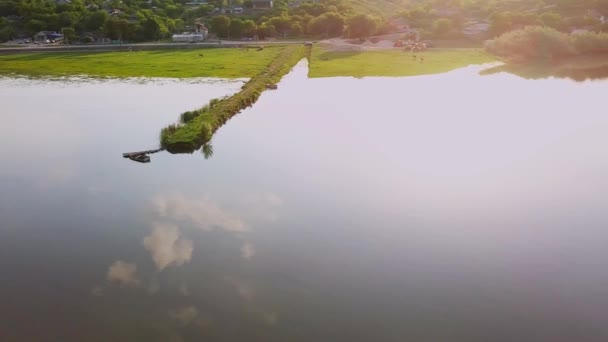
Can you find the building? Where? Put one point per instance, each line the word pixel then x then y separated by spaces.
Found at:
pixel 262 4
pixel 188 37
pixel 47 36
pixel 474 29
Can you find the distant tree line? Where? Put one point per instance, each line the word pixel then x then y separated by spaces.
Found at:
pixel 145 20
pixel 328 18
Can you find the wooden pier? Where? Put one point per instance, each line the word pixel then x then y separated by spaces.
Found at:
pixel 141 156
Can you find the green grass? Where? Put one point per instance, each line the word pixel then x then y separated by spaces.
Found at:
pixel 197 127
pixel 392 62
pixel 214 62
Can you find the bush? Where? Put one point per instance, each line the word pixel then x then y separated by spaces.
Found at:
pixel 543 43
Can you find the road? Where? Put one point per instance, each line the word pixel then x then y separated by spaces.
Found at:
pixel 142 46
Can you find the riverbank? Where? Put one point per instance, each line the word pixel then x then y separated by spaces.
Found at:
pixel 393 62
pixel 197 127
pixel 225 63
pixel 577 68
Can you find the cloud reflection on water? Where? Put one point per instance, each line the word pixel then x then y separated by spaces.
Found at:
pixel 203 212
pixel 167 247
pixel 184 315
pixel 123 273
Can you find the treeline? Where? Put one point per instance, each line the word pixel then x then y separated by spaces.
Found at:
pixel 130 20
pixel 330 18
pixel 535 43
pixel 146 20
pixel 448 18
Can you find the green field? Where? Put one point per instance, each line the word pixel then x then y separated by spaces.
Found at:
pixel 215 62
pixel 395 62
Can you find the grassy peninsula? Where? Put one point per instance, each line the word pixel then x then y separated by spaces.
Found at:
pixel 393 62
pixel 214 62
pixel 197 127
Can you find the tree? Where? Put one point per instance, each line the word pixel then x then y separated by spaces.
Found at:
pixel 34 26
pixel 361 26
pixel 282 24
pixel 249 28
pixel 552 20
pixel 220 25
pixel 266 30
pixel 236 28
pixel 69 34
pixel 442 27
pixel 328 24
pixel 153 29
pixel 95 20
pixel 296 30
pixel 68 18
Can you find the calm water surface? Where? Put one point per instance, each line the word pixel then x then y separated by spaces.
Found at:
pixel 451 207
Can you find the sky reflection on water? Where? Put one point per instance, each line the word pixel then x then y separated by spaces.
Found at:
pixel 431 208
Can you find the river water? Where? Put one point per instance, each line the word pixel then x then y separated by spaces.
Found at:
pixel 451 207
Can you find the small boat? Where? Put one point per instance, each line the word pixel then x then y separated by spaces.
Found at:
pixel 271 86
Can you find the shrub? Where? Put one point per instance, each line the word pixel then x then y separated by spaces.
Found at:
pixel 542 43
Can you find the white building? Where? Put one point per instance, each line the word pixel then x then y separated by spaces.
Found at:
pixel 476 28
pixel 190 37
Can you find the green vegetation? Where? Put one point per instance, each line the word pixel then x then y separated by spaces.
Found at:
pixel 197 127
pixel 326 63
pixel 542 43
pixel 577 68
pixel 216 62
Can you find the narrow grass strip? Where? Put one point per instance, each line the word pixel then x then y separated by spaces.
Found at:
pixel 196 128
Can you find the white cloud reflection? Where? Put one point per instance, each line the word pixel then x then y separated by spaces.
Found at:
pixel 97 291
pixel 167 247
pixel 247 251
pixel 203 212
pixel 123 273
pixel 185 315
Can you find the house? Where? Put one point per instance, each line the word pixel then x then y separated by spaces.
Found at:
pixel 187 37
pixel 196 3
pixel 47 36
pixel 476 28
pixel 262 4
pixel 198 35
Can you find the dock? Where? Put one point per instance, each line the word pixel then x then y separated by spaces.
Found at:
pixel 141 156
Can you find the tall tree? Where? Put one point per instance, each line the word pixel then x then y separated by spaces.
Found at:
pixel 361 26
pixel 220 25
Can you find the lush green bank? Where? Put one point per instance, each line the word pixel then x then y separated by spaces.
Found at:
pixel 215 62
pixel 197 127
pixel 395 62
